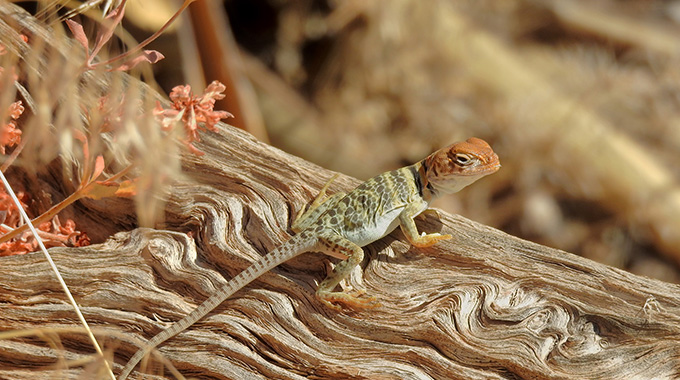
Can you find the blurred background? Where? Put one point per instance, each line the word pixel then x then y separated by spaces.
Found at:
pixel 579 98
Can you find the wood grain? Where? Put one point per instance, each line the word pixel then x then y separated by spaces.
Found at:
pixel 484 305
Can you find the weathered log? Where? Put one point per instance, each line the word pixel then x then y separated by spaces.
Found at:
pixel 483 305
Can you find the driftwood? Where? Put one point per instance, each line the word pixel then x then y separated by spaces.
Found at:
pixel 484 305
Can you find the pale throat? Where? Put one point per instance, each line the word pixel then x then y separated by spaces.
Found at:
pixel 452 185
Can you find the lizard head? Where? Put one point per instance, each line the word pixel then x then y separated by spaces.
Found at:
pixel 452 168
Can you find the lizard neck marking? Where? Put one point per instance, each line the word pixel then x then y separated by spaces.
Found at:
pixel 426 190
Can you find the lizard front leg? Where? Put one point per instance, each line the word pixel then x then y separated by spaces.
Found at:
pixel 334 245
pixel 408 227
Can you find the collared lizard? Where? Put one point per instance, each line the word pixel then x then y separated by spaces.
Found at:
pixel 341 224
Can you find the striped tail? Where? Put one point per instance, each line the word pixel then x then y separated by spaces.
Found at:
pixel 298 244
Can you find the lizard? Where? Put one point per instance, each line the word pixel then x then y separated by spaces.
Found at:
pixel 340 224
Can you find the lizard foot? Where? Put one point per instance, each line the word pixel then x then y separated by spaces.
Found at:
pixel 354 300
pixel 427 240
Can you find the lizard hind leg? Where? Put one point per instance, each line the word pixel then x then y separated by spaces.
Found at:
pixel 307 216
pixel 334 245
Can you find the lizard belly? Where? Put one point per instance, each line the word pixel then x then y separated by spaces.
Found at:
pixel 381 226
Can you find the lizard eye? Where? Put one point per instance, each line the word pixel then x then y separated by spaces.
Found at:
pixel 462 159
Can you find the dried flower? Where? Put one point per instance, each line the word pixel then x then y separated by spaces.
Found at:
pixel 52 232
pixel 9 134
pixel 194 112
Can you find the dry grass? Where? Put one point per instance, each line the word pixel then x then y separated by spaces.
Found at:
pixel 76 114
pixel 88 131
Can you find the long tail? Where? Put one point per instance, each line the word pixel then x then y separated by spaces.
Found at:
pixel 298 244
